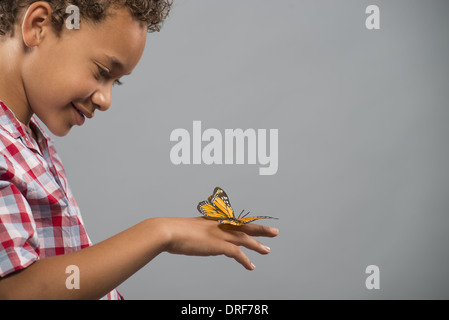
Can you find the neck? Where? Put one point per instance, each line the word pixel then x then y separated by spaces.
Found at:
pixel 12 91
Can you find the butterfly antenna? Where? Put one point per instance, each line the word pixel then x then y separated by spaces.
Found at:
pixel 240 214
pixel 246 214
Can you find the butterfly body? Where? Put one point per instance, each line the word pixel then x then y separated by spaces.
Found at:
pixel 218 206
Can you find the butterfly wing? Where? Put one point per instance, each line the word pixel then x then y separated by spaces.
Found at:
pixel 242 221
pixel 221 201
pixel 208 210
pixel 232 222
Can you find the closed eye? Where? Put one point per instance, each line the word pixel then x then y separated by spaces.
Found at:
pixel 106 75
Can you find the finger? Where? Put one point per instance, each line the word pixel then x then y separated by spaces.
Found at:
pixel 255 230
pixel 241 238
pixel 236 253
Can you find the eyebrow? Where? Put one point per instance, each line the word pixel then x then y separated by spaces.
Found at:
pixel 116 63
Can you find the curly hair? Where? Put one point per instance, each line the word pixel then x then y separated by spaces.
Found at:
pixel 151 12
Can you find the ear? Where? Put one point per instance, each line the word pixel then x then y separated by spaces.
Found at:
pixel 36 23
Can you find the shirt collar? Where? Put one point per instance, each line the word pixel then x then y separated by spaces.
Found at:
pixel 18 130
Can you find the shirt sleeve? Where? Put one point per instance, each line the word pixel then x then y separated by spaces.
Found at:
pixel 19 245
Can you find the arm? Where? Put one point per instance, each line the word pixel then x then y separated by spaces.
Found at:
pixel 107 264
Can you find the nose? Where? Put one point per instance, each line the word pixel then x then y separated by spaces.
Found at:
pixel 102 97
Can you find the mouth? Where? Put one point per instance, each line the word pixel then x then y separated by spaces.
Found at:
pixel 83 112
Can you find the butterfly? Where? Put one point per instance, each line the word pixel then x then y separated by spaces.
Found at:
pixel 218 206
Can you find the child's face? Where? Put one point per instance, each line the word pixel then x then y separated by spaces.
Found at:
pixel 78 69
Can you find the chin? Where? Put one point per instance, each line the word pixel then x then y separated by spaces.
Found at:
pixel 59 131
pixel 58 125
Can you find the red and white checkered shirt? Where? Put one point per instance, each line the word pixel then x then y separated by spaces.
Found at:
pixel 39 216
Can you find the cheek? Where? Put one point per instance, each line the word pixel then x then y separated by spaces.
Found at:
pixel 57 76
pixel 42 82
pixel 57 85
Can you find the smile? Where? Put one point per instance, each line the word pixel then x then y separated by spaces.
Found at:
pixel 83 112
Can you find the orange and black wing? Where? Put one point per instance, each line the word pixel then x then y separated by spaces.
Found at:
pixel 242 221
pixel 208 210
pixel 221 201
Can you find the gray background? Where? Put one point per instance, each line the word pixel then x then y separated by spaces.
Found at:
pixel 363 155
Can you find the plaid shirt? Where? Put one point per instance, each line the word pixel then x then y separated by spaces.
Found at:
pixel 39 216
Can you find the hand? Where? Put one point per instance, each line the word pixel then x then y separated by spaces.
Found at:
pixel 205 237
pixel 105 265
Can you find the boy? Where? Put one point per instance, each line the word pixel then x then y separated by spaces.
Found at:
pixel 63 76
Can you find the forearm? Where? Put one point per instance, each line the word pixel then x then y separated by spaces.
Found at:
pixel 105 265
pixel 102 266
